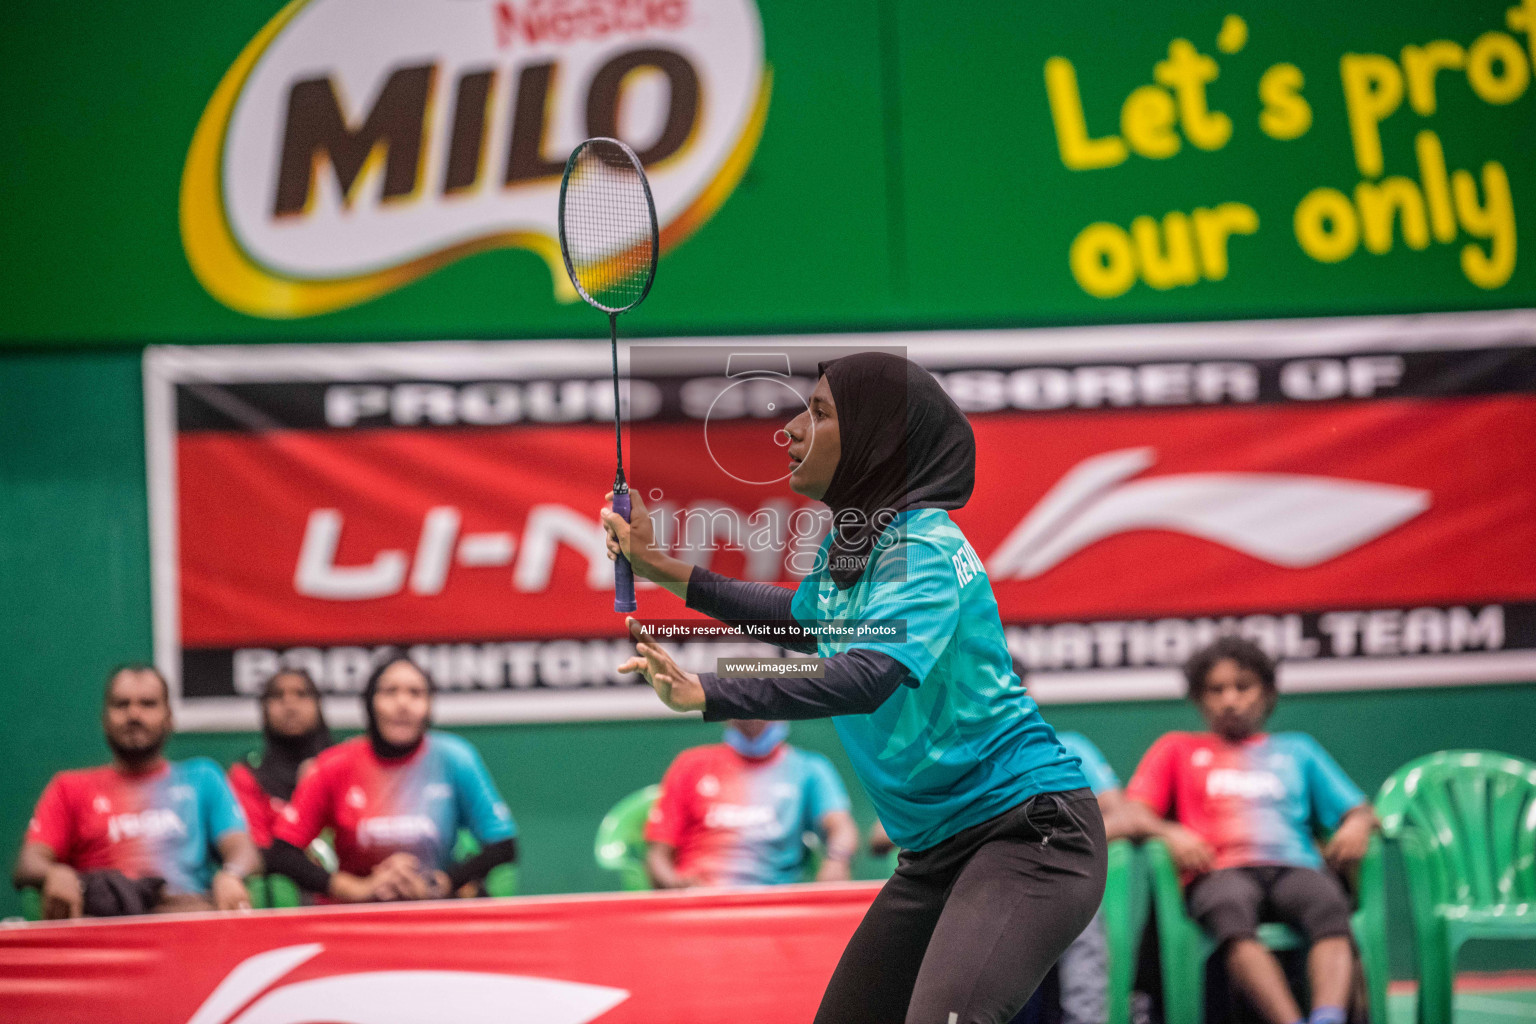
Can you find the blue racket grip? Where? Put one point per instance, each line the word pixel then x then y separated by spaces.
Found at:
pixel 623 573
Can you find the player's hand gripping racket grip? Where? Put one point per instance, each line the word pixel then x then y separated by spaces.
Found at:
pixel 623 573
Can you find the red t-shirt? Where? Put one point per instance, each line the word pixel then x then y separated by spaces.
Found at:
pixel 163 822
pixel 377 807
pixel 740 821
pixel 1254 802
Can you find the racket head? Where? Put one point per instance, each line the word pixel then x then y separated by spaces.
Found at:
pixel 608 233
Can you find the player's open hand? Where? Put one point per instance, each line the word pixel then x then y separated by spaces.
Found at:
pixel 678 690
pixel 636 539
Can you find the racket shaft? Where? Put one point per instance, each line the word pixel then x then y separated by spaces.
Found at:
pixel 623 573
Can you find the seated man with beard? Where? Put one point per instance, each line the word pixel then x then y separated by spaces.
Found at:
pixel 396 798
pixel 137 835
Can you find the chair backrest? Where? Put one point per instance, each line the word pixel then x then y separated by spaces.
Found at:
pixel 1471 816
pixel 620 843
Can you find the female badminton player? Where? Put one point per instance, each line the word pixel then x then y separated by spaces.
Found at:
pixel 1003 848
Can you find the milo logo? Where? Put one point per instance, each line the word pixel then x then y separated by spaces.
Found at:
pixel 356 145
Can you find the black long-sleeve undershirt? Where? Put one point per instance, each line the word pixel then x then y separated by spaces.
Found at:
pixel 284 858
pixel 740 603
pixel 855 682
pixel 472 869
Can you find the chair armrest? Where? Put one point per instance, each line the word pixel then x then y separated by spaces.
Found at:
pixel 256 889
pixel 1176 930
pixel 501 880
pixel 31 902
pixel 1166 889
pixel 1124 912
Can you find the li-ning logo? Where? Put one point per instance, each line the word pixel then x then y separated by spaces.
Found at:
pixel 249 995
pixel 333 164
pixel 1286 519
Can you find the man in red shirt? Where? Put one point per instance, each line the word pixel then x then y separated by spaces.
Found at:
pixel 136 834
pixel 1245 804
pixel 736 813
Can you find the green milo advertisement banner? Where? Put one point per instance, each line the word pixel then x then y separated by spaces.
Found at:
pixel 339 169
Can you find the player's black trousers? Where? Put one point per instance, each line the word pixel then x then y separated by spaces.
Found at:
pixel 964 931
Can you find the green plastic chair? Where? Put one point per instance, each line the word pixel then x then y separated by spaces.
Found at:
pixel 1127 899
pixel 620 842
pixel 283 892
pixel 1465 821
pixel 260 893
pixel 1185 946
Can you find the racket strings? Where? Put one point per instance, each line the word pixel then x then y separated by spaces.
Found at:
pixel 608 227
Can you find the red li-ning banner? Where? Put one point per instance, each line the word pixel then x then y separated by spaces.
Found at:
pixel 1358 496
pixel 762 956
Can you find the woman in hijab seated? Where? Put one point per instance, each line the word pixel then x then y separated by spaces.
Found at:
pixel 1003 847
pixel 294 731
pixel 396 799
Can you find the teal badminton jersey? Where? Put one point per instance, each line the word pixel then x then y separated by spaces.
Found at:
pixel 962 742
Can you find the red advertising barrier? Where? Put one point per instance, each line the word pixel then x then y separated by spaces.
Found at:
pixel 1358 496
pixel 749 957
pixel 1223 509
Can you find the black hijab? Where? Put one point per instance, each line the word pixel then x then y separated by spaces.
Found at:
pixel 277 768
pixel 905 445
pixel 381 746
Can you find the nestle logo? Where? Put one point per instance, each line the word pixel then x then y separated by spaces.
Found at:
pixel 564 21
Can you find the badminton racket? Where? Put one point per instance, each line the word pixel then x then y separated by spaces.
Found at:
pixel 609 240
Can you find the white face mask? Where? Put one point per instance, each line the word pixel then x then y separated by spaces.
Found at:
pixel 763 744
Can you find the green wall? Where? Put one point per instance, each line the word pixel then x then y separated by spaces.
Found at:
pixel 74 562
